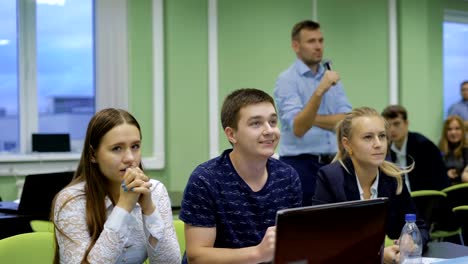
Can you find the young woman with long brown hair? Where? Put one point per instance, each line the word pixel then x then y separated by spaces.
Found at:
pixel 112 212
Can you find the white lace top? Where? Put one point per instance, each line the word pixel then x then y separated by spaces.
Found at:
pixel 125 237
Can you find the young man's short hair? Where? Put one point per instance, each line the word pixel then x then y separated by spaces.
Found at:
pixel 305 24
pixel 393 111
pixel 238 99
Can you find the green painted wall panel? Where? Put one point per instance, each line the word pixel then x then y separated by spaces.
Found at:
pixel 255 43
pixel 140 57
pixel 254 47
pixel 456 5
pixel 420 68
pixel 8 190
pixel 356 39
pixel 186 73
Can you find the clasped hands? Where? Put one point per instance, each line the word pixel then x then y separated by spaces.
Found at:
pixel 135 188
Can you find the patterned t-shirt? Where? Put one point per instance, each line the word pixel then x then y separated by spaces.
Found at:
pixel 216 196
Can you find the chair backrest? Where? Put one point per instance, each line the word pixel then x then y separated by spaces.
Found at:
pixel 457 195
pixel 41 226
pixel 179 228
pixel 427 202
pixel 26 248
pixel 461 212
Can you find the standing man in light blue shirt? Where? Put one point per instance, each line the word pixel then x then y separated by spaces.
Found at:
pixel 311 101
pixel 461 108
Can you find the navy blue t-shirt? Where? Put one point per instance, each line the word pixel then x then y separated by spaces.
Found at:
pixel 216 196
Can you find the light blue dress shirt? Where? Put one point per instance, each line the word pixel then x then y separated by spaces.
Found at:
pixel 460 109
pixel 293 89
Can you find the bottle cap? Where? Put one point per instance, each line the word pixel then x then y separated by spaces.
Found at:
pixel 410 217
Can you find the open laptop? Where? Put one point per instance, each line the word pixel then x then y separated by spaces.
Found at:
pixel 38 192
pixel 346 232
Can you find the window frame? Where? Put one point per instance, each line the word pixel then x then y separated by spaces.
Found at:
pixel 110 78
pixel 460 17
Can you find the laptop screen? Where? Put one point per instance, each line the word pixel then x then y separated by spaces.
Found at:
pixel 50 142
pixel 346 232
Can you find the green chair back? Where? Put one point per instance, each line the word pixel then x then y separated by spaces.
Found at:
pixel 426 202
pixel 457 195
pixel 433 206
pixel 179 229
pixel 461 213
pixel 427 193
pixel 389 241
pixel 27 248
pixel 41 226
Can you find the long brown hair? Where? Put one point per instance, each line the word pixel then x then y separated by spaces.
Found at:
pixel 96 187
pixel 345 129
pixel 444 144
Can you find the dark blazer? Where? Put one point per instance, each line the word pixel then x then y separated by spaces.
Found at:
pixel 429 171
pixel 335 184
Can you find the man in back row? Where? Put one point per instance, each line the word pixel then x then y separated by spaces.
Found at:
pixel 230 202
pixel 408 147
pixel 311 101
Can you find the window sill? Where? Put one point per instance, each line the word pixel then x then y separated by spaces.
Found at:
pixel 37 163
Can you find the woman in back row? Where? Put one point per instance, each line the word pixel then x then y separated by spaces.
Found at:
pixel 454 150
pixel 360 172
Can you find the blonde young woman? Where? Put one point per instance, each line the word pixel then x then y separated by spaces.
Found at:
pixel 112 212
pixel 454 149
pixel 360 171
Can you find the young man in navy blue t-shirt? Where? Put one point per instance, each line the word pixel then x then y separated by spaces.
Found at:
pixel 230 202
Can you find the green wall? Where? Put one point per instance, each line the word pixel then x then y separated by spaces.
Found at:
pixel 356 39
pixel 254 47
pixel 460 5
pixel 254 43
pixel 186 41
pixel 420 68
pixel 186 83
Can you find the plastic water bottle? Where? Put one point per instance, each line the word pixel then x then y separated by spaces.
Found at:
pixel 410 242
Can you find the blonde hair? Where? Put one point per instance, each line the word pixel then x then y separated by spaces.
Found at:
pixel 345 129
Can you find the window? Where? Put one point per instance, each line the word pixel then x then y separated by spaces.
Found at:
pixel 455 55
pixel 44 45
pixel 9 122
pixel 65 73
pixel 47 76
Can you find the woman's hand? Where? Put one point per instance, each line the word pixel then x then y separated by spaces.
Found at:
pixel 134 185
pixel 145 201
pixel 452 173
pixel 392 254
pixel 465 175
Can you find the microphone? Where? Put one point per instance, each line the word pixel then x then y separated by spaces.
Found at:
pixel 327 64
